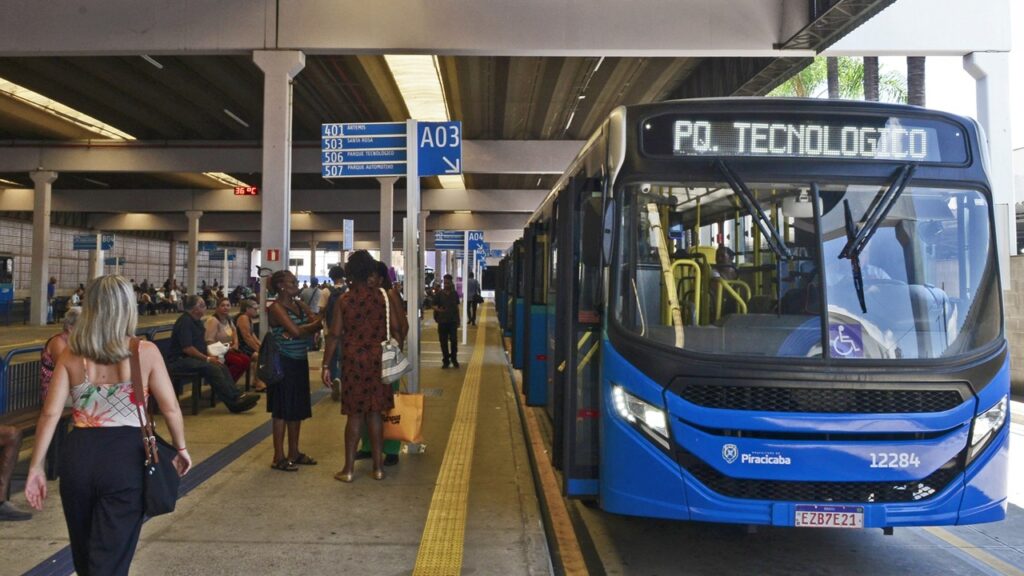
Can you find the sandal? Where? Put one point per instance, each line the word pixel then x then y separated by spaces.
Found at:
pixel 285 465
pixel 304 460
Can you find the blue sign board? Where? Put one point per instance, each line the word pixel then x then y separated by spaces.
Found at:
pixel 439 146
pixel 120 260
pixel 329 246
pixel 88 242
pixel 476 239
pixel 348 233
pixel 495 253
pixel 329 158
pixel 365 129
pixel 361 143
pixel 449 239
pixel 364 170
pixel 207 246
pixel 218 255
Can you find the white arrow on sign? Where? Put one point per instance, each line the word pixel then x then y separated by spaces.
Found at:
pixel 453 168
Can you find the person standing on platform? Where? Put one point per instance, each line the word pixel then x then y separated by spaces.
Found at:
pixel 446 314
pixel 382 279
pixel 10 445
pixel 189 353
pixel 292 325
pixel 359 322
pixel 101 475
pixel 332 363
pixel 473 297
pixel 51 294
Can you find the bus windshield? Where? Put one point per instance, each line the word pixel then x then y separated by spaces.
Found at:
pixel 754 268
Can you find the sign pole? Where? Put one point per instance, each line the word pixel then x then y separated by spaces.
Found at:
pixel 465 285
pixel 412 277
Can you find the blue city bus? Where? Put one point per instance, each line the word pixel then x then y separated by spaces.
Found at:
pixel 772 312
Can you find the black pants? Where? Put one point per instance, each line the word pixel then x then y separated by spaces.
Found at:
pixel 217 375
pixel 101 491
pixel 472 312
pixel 447 333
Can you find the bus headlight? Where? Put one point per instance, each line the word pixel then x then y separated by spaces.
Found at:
pixel 987 425
pixel 650 419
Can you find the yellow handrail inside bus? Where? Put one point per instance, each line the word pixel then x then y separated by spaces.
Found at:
pixel 658 234
pixel 693 265
pixel 726 286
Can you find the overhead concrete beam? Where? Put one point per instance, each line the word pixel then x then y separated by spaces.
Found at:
pixel 348 201
pixel 478 156
pixel 446 27
pixel 319 223
pixel 498 239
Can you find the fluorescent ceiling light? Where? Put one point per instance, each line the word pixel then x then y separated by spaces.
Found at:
pixel 236 118
pixel 82 120
pixel 419 80
pixel 226 179
pixel 10 183
pixel 96 182
pixel 59 110
pixel 152 61
pixel 463 211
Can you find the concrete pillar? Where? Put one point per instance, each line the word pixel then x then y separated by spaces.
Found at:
pixel 40 274
pixel 192 281
pixel 279 68
pixel 96 258
pixel 225 277
pixel 173 260
pixel 312 255
pixel 387 217
pixel 991 72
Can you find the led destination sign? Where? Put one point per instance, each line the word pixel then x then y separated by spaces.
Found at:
pixel 857 138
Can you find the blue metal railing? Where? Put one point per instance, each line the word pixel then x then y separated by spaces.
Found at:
pixel 19 381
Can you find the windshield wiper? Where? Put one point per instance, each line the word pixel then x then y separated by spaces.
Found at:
pixel 856 240
pixel 768 230
pixel 851 235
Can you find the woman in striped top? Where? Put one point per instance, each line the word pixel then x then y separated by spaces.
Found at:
pixel 292 324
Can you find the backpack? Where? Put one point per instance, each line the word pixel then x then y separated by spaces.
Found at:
pixel 269 368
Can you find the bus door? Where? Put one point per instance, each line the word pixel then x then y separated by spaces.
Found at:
pixel 535 246
pixel 516 320
pixel 577 351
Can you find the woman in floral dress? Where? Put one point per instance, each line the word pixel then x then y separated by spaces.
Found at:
pixel 360 323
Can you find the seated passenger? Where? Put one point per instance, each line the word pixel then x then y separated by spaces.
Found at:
pixel 188 353
pixel 724 267
pixel 220 328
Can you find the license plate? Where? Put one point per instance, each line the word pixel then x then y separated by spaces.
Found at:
pixel 808 515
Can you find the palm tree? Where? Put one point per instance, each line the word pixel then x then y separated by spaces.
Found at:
pixel 871 78
pixel 832 75
pixel 811 82
pixel 915 80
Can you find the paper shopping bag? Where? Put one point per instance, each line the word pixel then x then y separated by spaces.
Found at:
pixel 405 421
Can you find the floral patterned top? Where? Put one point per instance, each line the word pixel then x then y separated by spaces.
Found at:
pixel 104 406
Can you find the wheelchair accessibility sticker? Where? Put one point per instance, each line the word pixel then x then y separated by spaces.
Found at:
pixel 845 341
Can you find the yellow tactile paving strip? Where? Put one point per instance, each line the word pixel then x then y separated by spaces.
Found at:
pixel 979 554
pixel 441 546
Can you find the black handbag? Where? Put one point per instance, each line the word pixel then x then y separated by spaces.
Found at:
pixel 269 368
pixel 160 477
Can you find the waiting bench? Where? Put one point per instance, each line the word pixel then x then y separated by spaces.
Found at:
pixel 21 403
pixel 181 377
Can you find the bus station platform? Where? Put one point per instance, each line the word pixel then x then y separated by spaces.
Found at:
pixel 477 497
pixel 464 503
